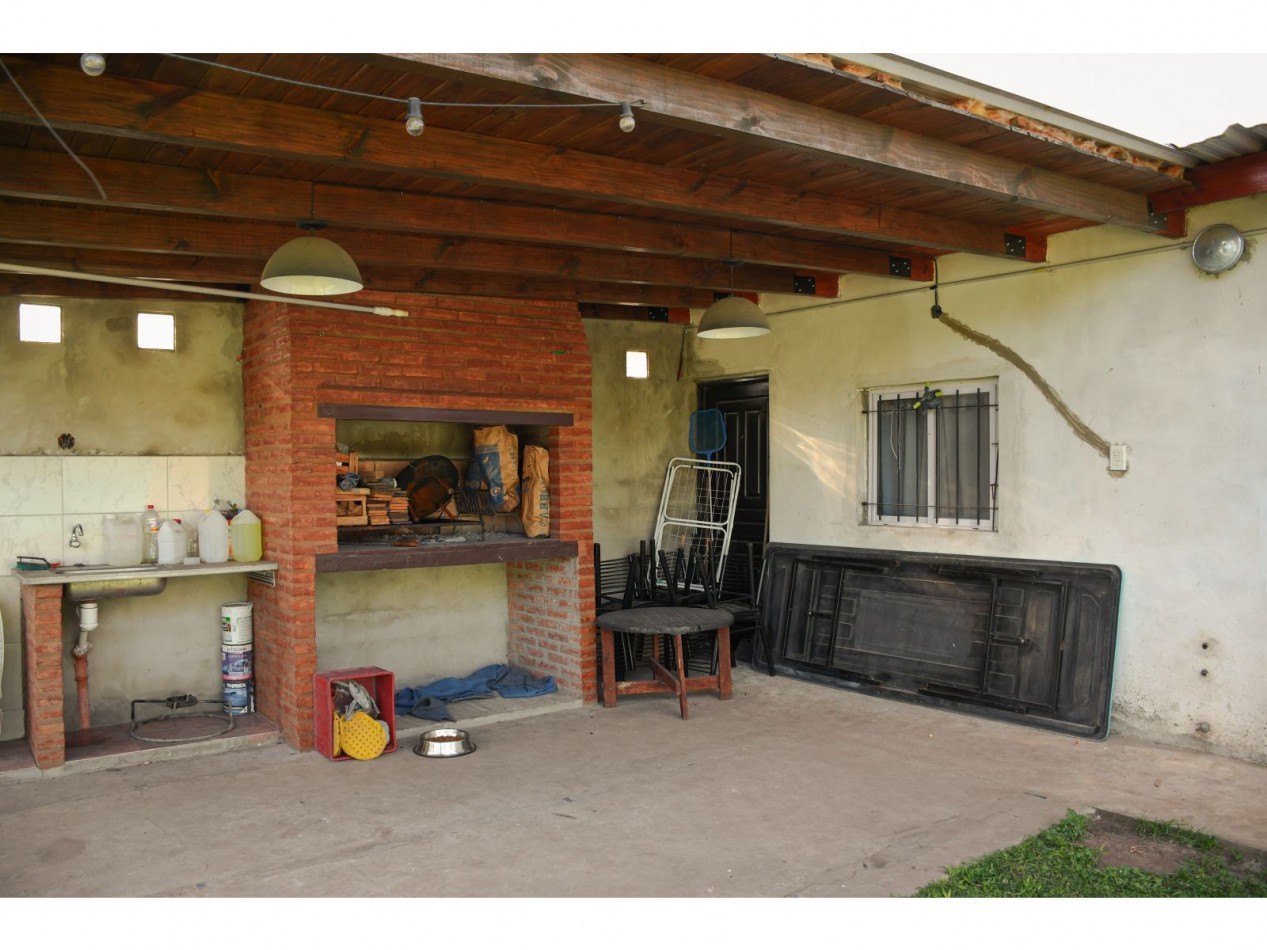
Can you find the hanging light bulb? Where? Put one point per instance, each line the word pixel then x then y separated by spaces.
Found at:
pixel 626 117
pixel 94 64
pixel 413 121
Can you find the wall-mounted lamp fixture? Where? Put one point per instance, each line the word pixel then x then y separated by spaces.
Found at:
pixel 626 117
pixel 1218 248
pixel 94 64
pixel 311 266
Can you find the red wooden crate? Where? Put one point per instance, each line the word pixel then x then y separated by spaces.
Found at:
pixel 379 683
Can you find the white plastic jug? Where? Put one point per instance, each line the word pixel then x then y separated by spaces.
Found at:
pixel 171 543
pixel 245 538
pixel 213 538
pixel 123 539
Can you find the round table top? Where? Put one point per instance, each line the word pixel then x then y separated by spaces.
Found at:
pixel 665 620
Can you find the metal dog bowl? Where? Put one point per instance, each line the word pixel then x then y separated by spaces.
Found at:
pixel 444 744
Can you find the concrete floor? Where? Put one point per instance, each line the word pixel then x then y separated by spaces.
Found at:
pixel 790 789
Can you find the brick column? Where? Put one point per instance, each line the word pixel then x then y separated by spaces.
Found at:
pixel 289 473
pixel 42 663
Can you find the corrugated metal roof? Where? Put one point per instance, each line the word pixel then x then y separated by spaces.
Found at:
pixel 1238 140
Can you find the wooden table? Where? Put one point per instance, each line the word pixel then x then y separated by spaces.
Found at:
pixel 657 622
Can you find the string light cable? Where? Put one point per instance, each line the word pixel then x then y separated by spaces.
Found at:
pixel 414 105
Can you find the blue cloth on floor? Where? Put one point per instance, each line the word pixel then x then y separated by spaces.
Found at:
pixel 431 701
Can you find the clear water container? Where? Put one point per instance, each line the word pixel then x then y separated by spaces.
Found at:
pixel 123 539
pixel 150 523
pixel 245 538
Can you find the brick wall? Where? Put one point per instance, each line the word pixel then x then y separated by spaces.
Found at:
pixel 449 353
pixel 42 666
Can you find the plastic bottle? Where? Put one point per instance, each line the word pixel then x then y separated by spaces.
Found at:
pixel 245 539
pixel 123 539
pixel 213 538
pixel 171 543
pixel 151 522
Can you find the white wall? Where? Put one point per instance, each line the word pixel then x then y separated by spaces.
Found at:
pixel 1147 351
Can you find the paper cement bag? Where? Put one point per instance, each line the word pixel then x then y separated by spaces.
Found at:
pixel 497 448
pixel 536 491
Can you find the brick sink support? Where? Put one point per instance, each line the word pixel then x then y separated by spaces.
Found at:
pixel 449 353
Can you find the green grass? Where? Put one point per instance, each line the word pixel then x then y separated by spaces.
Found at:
pixel 1054 863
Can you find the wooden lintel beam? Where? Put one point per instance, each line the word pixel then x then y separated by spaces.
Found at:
pixel 65 226
pixel 53 176
pixel 602 311
pixel 158 112
pixel 778 122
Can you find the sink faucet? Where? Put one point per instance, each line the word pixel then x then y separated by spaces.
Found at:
pixel 76 533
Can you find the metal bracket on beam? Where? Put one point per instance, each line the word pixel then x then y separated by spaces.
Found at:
pixel 804 284
pixel 1014 245
pixel 658 314
pixel 899 267
pixel 1159 220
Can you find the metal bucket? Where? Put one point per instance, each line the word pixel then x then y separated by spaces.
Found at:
pixel 235 624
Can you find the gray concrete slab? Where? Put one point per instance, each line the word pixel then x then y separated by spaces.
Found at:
pixel 790 789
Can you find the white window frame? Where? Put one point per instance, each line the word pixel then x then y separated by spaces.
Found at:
pixel 928 518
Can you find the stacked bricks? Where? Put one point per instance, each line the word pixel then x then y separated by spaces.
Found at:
pixel 449 353
pixel 42 665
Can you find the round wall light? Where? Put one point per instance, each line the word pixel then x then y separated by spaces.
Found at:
pixel 1218 248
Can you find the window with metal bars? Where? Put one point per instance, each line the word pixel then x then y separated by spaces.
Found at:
pixel 934 455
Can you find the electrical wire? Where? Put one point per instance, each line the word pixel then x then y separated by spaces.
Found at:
pixel 52 131
pixel 403 100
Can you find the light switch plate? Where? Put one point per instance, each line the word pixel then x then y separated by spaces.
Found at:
pixel 1117 457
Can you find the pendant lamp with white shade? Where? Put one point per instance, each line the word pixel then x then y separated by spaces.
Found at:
pixel 311 266
pixel 732 317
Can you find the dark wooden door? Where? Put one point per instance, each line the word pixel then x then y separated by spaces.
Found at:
pixel 745 405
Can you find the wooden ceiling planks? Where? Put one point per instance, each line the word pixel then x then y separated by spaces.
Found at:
pixel 539 195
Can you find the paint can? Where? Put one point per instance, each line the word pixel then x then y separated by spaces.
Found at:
pixel 236 626
pixel 237 661
pixel 237 697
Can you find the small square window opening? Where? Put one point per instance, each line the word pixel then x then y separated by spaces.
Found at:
pixel 636 364
pixel 39 323
pixel 156 331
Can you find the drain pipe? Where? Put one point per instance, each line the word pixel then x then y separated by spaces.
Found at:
pixel 87 623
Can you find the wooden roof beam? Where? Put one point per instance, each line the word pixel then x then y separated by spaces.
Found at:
pixel 736 111
pixel 68 226
pixel 53 176
pixel 158 112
